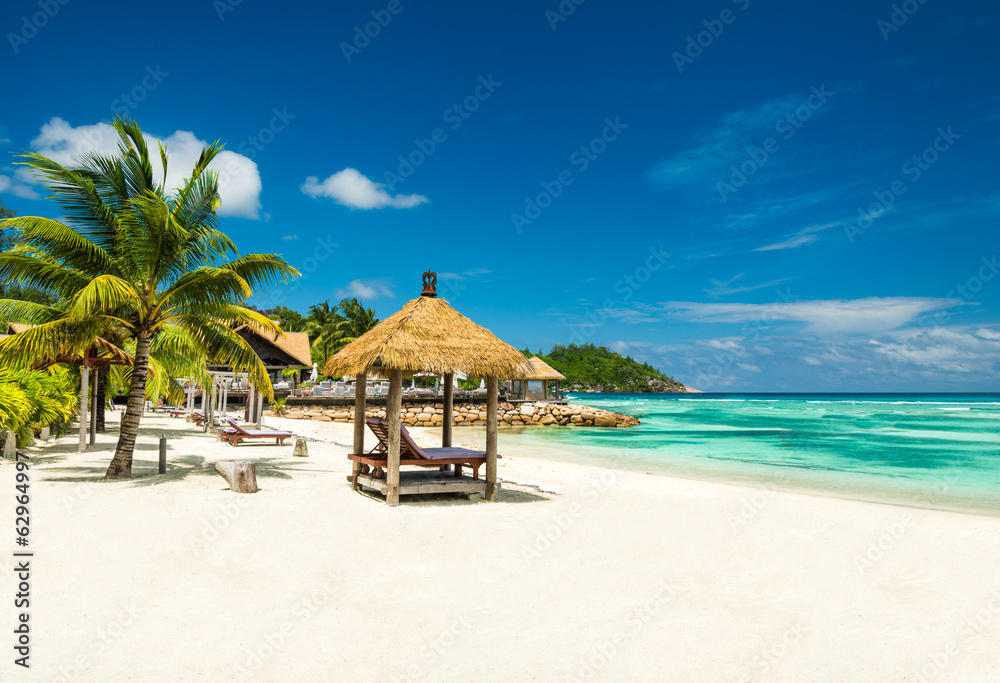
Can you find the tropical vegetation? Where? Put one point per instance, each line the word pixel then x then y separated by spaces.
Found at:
pixel 31 399
pixel 596 368
pixel 330 328
pixel 139 265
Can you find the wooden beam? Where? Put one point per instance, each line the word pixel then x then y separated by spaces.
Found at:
pixel 84 376
pixel 392 408
pixel 449 395
pixel 492 405
pixel 359 425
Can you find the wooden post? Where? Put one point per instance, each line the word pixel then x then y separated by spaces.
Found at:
pixel 359 425
pixel 491 437
pixel 84 376
pixel 260 408
pixel 392 407
pixel 449 397
pixel 210 410
pixel 93 406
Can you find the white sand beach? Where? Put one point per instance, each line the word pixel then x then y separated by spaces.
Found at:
pixel 576 573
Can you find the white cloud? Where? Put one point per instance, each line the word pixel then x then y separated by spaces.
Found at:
pixel 239 182
pixel 722 288
pixel 290 238
pixel 366 289
pixel 713 151
pixel 10 185
pixel 799 239
pixel 840 316
pixel 352 189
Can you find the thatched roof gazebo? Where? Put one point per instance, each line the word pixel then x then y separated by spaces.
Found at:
pixel 426 335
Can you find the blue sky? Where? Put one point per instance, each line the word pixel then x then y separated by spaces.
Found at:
pixel 750 196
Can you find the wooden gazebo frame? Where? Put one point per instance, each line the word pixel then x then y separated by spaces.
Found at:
pixel 426 335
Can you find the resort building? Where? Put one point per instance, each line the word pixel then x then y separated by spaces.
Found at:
pixel 536 387
pixel 290 351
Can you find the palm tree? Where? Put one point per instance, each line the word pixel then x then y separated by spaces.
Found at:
pixel 359 318
pixel 326 326
pixel 141 259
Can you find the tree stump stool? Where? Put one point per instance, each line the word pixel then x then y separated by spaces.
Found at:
pixel 300 448
pixel 241 475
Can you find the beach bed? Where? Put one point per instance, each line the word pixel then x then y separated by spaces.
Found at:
pixel 412 454
pixel 234 433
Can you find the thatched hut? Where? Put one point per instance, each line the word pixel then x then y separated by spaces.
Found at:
pixel 535 385
pixel 426 335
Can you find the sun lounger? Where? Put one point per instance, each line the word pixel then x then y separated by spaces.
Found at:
pixel 175 412
pixel 412 454
pixel 234 433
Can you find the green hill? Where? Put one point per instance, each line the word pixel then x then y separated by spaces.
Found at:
pixel 596 368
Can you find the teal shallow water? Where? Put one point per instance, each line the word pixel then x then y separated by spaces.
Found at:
pixel 940 451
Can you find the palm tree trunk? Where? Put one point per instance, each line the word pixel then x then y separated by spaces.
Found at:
pixel 100 379
pixel 121 464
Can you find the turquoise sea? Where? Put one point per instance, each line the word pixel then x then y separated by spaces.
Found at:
pixel 928 450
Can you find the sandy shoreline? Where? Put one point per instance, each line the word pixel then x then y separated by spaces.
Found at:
pixel 577 573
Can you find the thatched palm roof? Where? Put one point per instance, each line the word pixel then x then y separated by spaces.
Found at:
pixel 542 370
pixel 428 335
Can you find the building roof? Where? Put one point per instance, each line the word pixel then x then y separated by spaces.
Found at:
pixel 542 370
pixel 428 335
pixel 14 328
pixel 296 345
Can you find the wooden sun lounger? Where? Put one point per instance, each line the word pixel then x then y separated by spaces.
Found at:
pixel 175 412
pixel 412 454
pixel 234 433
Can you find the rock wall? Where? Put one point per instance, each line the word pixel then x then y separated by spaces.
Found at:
pixel 473 414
